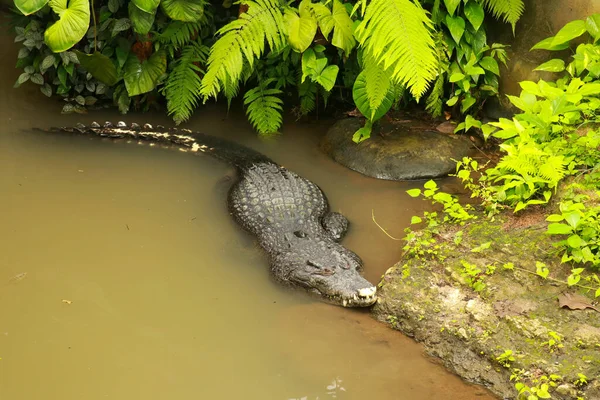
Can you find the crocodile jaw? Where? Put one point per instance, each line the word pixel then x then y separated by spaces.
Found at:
pixel 364 297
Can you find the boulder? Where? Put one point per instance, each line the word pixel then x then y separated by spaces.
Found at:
pixel 396 150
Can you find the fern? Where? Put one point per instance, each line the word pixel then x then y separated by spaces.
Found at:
pixel 434 104
pixel 307 91
pixel 508 10
pixel 178 33
pixel 242 41
pixel 398 34
pixel 264 107
pixel 377 83
pixel 183 83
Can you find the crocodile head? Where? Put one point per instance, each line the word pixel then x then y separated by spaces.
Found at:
pixel 326 269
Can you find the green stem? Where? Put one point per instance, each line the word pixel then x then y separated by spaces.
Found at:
pixel 95 28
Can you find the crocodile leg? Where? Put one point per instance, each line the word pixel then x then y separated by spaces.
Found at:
pixel 335 224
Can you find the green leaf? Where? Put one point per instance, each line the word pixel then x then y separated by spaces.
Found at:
pixel 48 62
pixel 471 122
pixel 300 30
pixel 363 133
pixel 327 77
pixel 554 218
pixel 456 25
pixel 28 7
pixel 457 76
pixel 541 269
pixel 142 21
pixel 100 66
pixel 430 184
pixel 554 65
pixel 47 90
pixel 572 218
pixel 343 35
pixel 490 64
pixel 592 25
pixel 121 25
pixel 568 32
pixel 183 10
pixel 148 6
pixel 481 247
pixel 546 44
pixel 414 192
pixel 361 99
pixel 113 6
pixel 71 27
pixel 415 220
pixel 475 14
pixel 559 229
pixel 451 5
pixel 142 77
pixel 452 101
pixel 574 241
pixel 467 103
pixel 323 15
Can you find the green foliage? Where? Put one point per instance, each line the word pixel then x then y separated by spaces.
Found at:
pixel 580 225
pixel 398 34
pixel 241 42
pixel 374 51
pixel 506 358
pixel 468 67
pixel 509 10
pixel 183 83
pixel 454 212
pixel 73 22
pixel 264 107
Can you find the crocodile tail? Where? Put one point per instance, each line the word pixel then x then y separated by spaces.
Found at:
pixel 185 139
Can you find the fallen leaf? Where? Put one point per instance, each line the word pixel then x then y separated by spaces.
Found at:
pixel 574 302
pixel 18 277
pixel 446 127
pixel 67 301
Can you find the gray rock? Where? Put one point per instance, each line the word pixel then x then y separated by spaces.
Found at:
pixel 396 151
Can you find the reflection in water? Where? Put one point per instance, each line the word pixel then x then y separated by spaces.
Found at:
pixel 123 277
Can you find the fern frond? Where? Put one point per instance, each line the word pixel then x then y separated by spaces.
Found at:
pixel 179 33
pixel 264 108
pixel 434 104
pixel 398 34
pixel 243 40
pixel 508 10
pixel 308 96
pixel 183 83
pixel 377 81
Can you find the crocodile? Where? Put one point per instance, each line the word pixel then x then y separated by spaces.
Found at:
pixel 288 214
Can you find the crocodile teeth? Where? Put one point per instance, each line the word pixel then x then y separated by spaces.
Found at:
pixel 135 127
pixel 95 125
pixel 121 124
pixel 147 126
pixel 345 302
pixel 108 124
pixel 367 292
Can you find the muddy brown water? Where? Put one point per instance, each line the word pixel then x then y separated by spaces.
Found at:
pixel 123 277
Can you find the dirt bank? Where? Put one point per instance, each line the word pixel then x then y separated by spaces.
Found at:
pixel 487 315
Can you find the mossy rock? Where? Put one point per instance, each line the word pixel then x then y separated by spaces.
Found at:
pixel 396 150
pixel 430 299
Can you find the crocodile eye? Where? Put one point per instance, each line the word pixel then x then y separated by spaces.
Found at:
pixel 300 234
